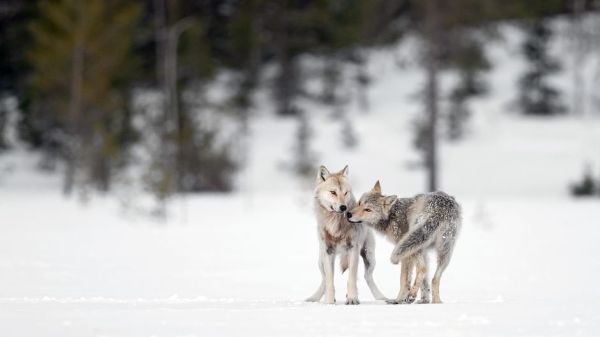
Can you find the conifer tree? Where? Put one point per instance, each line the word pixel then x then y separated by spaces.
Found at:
pixel 537 95
pixel 470 62
pixel 80 59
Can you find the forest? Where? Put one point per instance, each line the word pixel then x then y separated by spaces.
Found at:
pixel 105 86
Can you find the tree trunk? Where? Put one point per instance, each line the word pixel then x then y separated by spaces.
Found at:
pixel 286 83
pixel 173 116
pixel 579 45
pixel 431 91
pixel 3 119
pixel 72 142
pixel 159 37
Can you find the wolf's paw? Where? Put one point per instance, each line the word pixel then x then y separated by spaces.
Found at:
pixel 394 259
pixel 424 301
pixel 352 301
pixel 312 299
pixel 392 301
pixel 409 299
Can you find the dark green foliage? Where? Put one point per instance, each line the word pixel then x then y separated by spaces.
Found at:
pixel 304 162
pixel 202 164
pixel 587 186
pixel 190 159
pixel 72 65
pixel 470 62
pixel 3 120
pixel 79 90
pixel 14 41
pixel 206 167
pixel 537 95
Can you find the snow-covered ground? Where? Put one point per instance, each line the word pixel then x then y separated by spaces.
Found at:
pixel 242 264
pixel 521 268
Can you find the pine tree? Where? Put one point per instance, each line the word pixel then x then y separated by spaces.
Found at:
pixel 80 59
pixel 190 157
pixel 537 95
pixel 587 186
pixel 304 159
pixel 470 62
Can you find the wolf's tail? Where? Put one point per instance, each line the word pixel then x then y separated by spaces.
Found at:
pixel 344 262
pixel 417 240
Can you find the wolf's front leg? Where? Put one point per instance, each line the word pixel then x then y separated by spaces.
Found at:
pixel 351 290
pixel 328 260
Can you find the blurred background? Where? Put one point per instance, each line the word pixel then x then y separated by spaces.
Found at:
pixel 170 97
pixel 194 130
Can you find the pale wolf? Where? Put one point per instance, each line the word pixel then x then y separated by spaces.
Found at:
pixel 333 197
pixel 414 225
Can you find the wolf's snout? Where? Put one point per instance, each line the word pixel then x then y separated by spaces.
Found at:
pixel 343 208
pixel 348 215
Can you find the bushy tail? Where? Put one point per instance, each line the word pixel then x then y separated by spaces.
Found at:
pixel 344 262
pixel 416 240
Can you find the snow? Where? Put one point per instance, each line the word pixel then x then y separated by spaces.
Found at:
pixel 521 268
pixel 241 264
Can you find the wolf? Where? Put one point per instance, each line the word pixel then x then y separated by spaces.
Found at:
pixel 429 221
pixel 332 198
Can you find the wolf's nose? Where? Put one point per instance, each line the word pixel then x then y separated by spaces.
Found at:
pixel 343 208
pixel 348 215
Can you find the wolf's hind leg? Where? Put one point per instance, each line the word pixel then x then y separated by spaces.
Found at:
pixel 444 252
pixel 316 297
pixel 421 273
pixel 425 286
pixel 367 253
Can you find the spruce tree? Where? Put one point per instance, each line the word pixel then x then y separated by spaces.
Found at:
pixel 81 60
pixel 470 62
pixel 190 157
pixel 537 95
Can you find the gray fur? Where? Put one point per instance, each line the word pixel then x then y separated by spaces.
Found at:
pixel 441 213
pixel 414 225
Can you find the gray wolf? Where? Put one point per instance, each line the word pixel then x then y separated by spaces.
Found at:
pixel 429 221
pixel 337 236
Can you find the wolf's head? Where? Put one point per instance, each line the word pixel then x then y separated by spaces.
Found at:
pixel 333 192
pixel 372 207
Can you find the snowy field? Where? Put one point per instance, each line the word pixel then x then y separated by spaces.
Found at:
pixel 241 264
pixel 521 268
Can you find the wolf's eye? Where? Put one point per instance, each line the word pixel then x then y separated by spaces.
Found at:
pixel 346 193
pixel 368 210
pixel 333 192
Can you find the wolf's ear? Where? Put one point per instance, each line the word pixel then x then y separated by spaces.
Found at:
pixel 344 171
pixel 323 173
pixel 377 187
pixel 387 204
